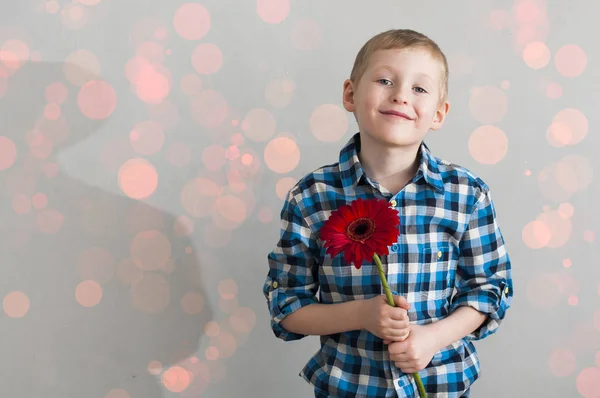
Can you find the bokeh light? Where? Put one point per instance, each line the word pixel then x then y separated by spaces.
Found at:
pixel 588 382
pixel 97 99
pixel 51 7
pixel 21 204
pixel 225 343
pixel 192 21
pixel 329 123
pixel 153 84
pixel 273 11
pixel 176 379
pixel 259 125
pixel 536 234
pixel 117 392
pixel 88 293
pixel 562 362
pixel 280 92
pixel 536 55
pixel 229 212
pixel 150 250
pixel 155 368
pixel 283 186
pixel 243 320
pixel 49 221
pixel 560 228
pixel 574 124
pixel 589 236
pixel 15 304
pixel 207 58
pixel 138 178
pixel 19 49
pixel 265 215
pixel 192 303
pixel 566 210
pixel 74 16
pixel 199 196
pixel 488 144
pixel 570 60
pixel 8 153
pixel 554 90
pixel 282 155
pixel 39 200
pixel 227 288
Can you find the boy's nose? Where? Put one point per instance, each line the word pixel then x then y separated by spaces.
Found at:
pixel 400 96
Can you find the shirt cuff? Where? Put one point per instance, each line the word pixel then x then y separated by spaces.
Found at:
pixel 281 305
pixel 494 302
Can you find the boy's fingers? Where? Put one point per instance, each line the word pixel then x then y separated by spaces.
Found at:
pixel 401 302
pixel 399 314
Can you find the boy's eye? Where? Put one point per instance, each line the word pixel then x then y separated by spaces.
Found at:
pixel 420 89
pixel 384 80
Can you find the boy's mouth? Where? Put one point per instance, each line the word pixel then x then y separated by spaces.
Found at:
pixel 396 114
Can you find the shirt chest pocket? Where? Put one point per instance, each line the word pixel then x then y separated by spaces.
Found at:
pixel 437 267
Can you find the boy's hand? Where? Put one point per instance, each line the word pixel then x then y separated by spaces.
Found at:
pixel 415 353
pixel 383 320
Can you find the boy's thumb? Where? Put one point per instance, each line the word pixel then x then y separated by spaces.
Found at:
pixel 401 302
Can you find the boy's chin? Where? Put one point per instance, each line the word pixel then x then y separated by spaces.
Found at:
pixel 398 139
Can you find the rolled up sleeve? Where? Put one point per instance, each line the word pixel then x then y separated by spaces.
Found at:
pixel 483 277
pixel 292 281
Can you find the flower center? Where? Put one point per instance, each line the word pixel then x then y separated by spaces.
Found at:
pixel 361 229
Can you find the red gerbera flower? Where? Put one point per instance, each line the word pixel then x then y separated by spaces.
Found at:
pixel 361 229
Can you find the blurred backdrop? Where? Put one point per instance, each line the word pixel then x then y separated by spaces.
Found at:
pixel 146 148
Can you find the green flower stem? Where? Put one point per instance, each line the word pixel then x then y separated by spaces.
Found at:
pixel 390 299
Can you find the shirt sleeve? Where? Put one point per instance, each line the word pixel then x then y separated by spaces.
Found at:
pixel 292 281
pixel 483 277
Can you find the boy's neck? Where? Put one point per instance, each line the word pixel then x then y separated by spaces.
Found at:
pixel 392 167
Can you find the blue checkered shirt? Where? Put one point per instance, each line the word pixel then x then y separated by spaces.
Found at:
pixel 450 253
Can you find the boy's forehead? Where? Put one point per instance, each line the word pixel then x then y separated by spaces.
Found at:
pixel 396 59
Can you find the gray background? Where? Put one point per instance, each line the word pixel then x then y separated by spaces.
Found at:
pixel 548 345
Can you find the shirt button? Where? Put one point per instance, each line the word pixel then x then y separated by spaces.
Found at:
pixel 506 290
pixel 395 247
pixel 440 254
pixel 393 203
pixel 275 284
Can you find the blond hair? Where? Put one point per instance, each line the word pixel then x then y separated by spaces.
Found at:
pixel 399 39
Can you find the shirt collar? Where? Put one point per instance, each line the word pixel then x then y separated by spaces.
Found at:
pixel 351 170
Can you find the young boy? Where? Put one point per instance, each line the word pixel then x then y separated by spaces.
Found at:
pixel 450 268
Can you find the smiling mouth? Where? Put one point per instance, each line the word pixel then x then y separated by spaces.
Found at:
pixel 396 115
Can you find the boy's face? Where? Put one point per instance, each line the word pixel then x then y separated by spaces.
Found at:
pixel 405 82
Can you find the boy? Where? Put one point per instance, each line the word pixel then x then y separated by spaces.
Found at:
pixel 449 267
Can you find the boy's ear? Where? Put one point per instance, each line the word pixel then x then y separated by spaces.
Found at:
pixel 440 115
pixel 348 96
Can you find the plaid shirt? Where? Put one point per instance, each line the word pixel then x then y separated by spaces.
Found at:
pixel 450 253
